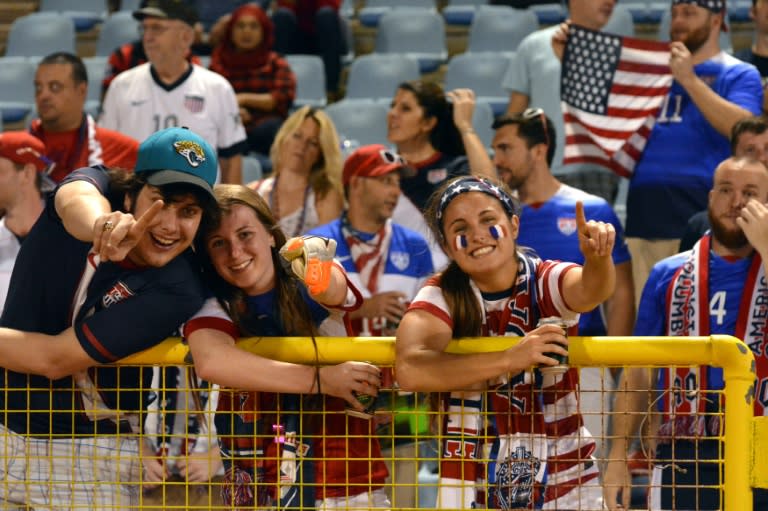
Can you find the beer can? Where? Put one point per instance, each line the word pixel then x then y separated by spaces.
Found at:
pixel 368 401
pixel 562 360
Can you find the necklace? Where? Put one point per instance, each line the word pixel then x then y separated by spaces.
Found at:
pixel 274 206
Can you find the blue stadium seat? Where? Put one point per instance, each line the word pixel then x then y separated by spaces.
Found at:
pixel 96 67
pixel 656 11
pixel 374 9
pixel 416 33
pixel 738 10
pixel 621 22
pixel 483 73
pixel 310 80
pixel 376 76
pixel 129 5
pixel 17 97
pixel 482 120
pixel 364 122
pixel 85 14
pixel 461 12
pixel 39 34
pixel 639 10
pixel 119 28
pixel 500 28
pixel 549 14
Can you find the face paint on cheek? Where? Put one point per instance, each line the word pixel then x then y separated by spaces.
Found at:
pixel 461 241
pixel 497 231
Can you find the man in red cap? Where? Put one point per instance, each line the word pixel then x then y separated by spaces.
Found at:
pixel 22 160
pixel 387 262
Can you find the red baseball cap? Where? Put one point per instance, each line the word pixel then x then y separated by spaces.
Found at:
pixel 371 161
pixel 22 147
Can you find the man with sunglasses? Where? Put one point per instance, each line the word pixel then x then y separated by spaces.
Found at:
pixel 533 79
pixel 169 91
pixel 524 145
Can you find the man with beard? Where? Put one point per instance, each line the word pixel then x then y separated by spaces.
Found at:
pixel 749 138
pixel 718 280
pixel 710 93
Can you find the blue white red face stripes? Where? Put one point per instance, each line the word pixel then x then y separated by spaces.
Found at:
pixel 497 231
pixel 461 241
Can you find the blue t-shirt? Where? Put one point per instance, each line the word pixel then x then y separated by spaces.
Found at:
pixel 674 174
pixel 550 229
pixel 726 286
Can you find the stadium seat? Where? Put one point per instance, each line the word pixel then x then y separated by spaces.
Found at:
pixel 376 76
pixel 310 80
pixel 656 10
pixel 725 37
pixel 85 14
pixel 370 15
pixel 621 22
pixel 119 28
pixel 16 91
pixel 129 5
pixel 347 9
pixel 482 120
pixel 252 170
pixel 96 67
pixel 39 34
pixel 359 122
pixel 500 28
pixel 738 10
pixel 416 33
pixel 461 12
pixel 483 73
pixel 549 14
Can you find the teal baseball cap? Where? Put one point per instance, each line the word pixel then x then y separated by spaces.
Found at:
pixel 177 155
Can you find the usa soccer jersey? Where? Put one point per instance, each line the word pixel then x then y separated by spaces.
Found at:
pixel 138 104
pixel 674 174
pixel 550 229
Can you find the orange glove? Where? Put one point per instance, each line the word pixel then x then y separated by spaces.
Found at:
pixel 311 258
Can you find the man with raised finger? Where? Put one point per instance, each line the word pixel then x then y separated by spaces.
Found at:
pixel 106 272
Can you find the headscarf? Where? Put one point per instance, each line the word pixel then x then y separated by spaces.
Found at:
pixel 227 60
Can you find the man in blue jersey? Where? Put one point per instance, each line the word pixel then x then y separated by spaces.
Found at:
pixel 386 261
pixel 711 91
pixel 106 272
pixel 722 279
pixel 524 145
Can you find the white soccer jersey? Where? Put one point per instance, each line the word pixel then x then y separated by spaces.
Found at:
pixel 137 104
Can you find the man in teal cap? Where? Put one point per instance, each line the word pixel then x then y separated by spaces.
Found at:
pixel 106 272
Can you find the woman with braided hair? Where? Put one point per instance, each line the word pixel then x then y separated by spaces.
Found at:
pixel 541 455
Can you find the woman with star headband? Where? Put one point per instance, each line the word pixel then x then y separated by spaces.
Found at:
pixel 541 453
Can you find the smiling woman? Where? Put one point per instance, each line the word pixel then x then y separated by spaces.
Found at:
pixel 491 288
pixel 305 190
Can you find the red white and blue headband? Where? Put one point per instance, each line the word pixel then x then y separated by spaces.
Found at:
pixel 467 184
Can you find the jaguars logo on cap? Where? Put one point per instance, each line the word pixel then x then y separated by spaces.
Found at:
pixel 191 151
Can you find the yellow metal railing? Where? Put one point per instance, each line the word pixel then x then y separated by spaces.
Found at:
pixel 727 352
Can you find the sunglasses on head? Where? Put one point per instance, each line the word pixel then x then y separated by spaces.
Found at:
pixel 538 113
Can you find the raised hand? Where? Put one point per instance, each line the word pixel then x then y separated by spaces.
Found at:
pixel 596 239
pixel 463 106
pixel 753 220
pixel 116 233
pixel 311 259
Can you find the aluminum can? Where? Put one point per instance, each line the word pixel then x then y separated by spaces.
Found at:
pixel 562 365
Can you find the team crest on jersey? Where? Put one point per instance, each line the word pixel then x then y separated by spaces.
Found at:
pixel 515 480
pixel 566 225
pixel 118 293
pixel 401 260
pixel 194 104
pixel 437 176
pixel 191 151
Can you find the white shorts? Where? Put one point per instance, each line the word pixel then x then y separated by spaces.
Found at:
pixel 87 473
pixel 369 500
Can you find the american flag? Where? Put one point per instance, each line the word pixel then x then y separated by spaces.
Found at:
pixel 611 89
pixel 194 104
